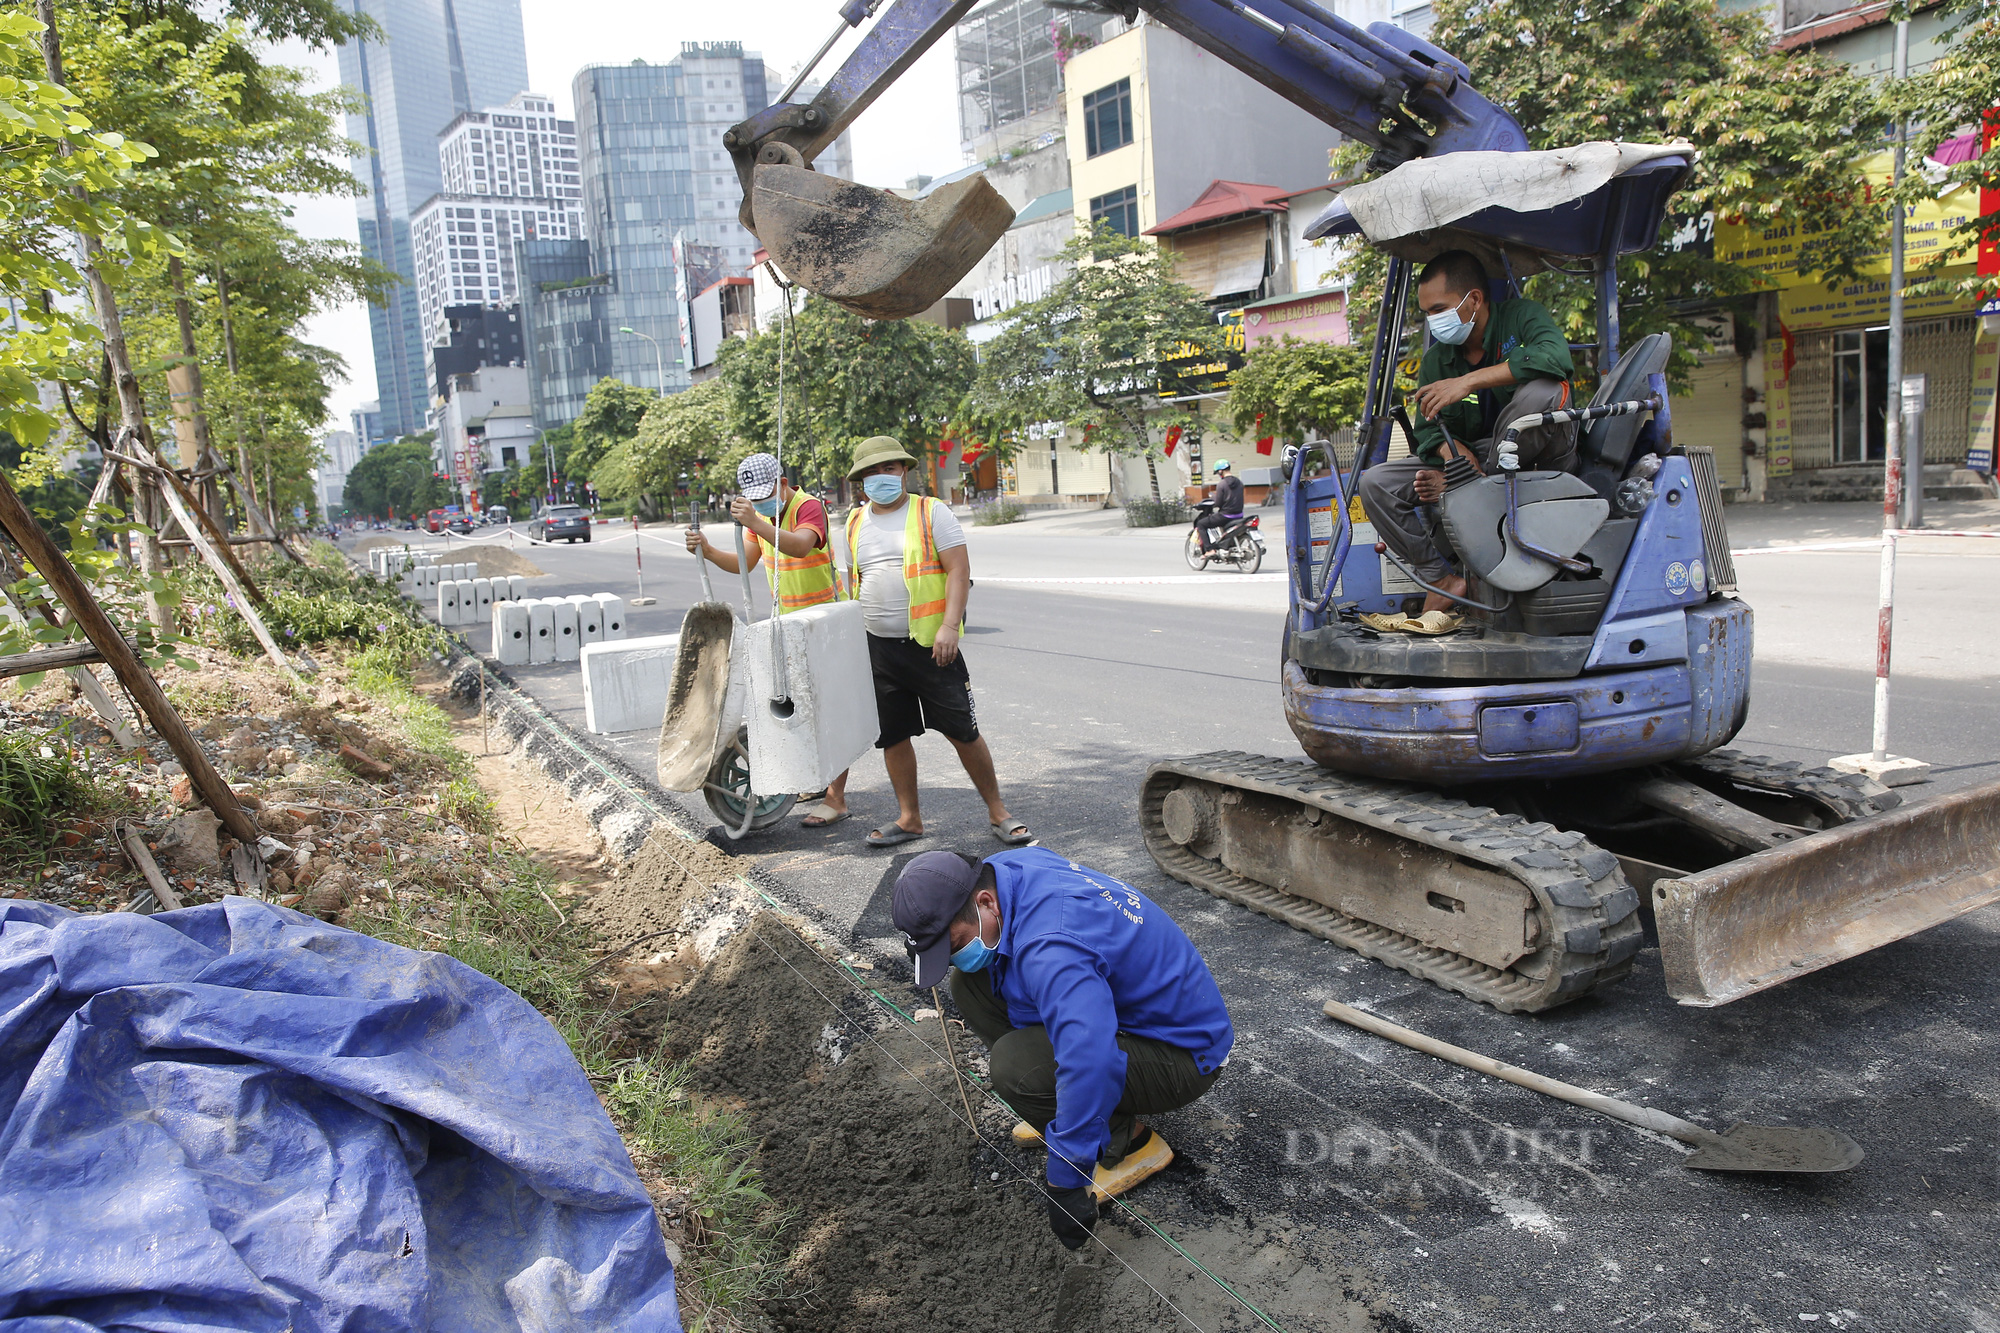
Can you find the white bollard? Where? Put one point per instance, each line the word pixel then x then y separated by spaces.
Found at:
pixel 614 615
pixel 568 645
pixel 510 633
pixel 829 720
pixel 468 602
pixel 482 600
pixel 541 631
pixel 517 588
pixel 589 618
pixel 447 604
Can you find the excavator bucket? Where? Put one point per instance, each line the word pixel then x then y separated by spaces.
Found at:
pixel 703 711
pixel 1765 918
pixel 873 252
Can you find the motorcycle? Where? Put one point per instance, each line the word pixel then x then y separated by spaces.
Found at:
pixel 1236 543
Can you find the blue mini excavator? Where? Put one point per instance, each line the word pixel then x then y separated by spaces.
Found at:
pixel 1514 809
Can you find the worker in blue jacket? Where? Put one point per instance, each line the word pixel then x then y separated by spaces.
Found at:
pixel 1094 1007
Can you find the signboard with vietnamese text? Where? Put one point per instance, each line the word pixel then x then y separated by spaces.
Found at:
pixel 1849 304
pixel 1191 372
pixel 1778 429
pixel 1985 413
pixel 1319 317
pixel 1926 234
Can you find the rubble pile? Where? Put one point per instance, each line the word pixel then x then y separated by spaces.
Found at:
pixel 354 809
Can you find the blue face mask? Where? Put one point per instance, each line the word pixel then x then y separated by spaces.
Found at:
pixel 1447 327
pixel 883 489
pixel 768 508
pixel 976 954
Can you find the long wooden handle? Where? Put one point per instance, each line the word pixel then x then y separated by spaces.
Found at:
pixel 1643 1116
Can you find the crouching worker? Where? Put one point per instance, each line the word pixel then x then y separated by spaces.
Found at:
pixel 1094 1007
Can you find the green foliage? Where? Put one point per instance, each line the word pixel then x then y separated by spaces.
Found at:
pixel 122 591
pixel 846 378
pixel 1164 512
pixel 44 785
pixel 58 172
pixel 1090 353
pixel 398 478
pixel 611 415
pixel 305 606
pixel 1778 133
pixel 1292 389
pixel 1953 96
pixel 679 429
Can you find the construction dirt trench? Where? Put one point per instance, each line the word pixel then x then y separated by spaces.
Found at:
pixel 903 1221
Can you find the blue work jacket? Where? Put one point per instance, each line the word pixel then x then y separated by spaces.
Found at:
pixel 1088 957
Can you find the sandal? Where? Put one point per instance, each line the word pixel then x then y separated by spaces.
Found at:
pixel 1434 622
pixel 1390 624
pixel 1014 833
pixel 823 815
pixel 891 835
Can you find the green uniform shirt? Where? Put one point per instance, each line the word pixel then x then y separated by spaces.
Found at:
pixel 1520 332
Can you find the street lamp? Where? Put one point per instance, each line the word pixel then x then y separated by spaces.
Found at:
pixel 659 365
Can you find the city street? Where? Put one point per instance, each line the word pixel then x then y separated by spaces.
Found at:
pixel 1362 1167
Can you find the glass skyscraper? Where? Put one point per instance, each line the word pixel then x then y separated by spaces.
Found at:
pixel 441 59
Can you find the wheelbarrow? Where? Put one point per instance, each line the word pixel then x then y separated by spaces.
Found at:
pixel 704 742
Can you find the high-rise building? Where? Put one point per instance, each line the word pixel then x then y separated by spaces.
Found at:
pixel 366 421
pixel 340 452
pixel 1010 55
pixel 440 59
pixel 509 174
pixel 566 326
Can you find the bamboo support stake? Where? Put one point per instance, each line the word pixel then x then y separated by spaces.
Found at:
pixel 71 590
pixel 244 607
pixel 191 504
pixel 135 848
pixel 94 693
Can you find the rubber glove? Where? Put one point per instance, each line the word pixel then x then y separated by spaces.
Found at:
pixel 1072 1213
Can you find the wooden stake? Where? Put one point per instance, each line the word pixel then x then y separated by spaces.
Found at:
pixel 135 848
pixel 86 680
pixel 224 568
pixel 48 659
pixel 71 590
pixel 191 503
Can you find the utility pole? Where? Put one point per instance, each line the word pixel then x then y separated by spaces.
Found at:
pixel 1877 762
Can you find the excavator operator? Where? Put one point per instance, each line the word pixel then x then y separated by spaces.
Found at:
pixel 1487 366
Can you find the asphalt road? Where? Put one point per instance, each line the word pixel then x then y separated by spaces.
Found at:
pixel 1472 1203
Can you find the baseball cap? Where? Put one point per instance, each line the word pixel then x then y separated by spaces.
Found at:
pixel 757 476
pixel 929 893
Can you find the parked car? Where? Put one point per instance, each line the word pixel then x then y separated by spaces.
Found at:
pixel 567 521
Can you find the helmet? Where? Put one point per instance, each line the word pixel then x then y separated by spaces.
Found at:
pixel 1221 465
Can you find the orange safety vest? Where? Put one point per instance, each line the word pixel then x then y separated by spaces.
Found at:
pixel 923 572
pixel 799 581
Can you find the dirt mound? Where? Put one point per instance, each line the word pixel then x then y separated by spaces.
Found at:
pixel 901 1227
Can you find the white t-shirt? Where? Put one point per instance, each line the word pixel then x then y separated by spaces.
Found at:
pixel 885 597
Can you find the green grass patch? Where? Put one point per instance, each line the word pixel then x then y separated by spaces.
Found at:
pixel 730 1256
pixel 45 786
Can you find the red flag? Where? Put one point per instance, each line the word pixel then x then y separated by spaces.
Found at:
pixel 1173 438
pixel 1264 443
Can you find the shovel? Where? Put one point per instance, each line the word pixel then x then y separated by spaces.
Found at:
pixel 1738 1148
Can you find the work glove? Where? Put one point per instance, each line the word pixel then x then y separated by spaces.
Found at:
pixel 1072 1213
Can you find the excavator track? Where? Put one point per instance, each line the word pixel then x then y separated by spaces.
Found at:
pixel 1585 924
pixel 1841 797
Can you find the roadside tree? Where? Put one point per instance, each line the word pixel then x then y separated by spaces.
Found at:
pixel 1092 353
pixel 647 469
pixel 1292 389
pixel 1958 95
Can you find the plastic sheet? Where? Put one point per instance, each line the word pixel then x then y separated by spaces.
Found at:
pixel 238 1117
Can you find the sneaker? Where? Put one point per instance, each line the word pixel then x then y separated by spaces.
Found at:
pixel 1148 1156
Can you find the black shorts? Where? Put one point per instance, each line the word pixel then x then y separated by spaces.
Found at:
pixel 913 694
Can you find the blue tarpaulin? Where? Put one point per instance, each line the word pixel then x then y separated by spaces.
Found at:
pixel 238 1117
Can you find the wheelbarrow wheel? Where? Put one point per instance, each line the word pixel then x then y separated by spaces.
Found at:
pixel 727 791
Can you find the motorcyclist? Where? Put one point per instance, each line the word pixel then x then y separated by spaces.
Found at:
pixel 1228 509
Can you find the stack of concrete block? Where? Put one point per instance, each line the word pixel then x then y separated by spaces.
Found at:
pixel 530 631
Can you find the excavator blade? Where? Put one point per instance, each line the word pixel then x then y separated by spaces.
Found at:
pixel 1765 918
pixel 873 252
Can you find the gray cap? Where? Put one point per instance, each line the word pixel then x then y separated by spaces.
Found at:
pixel 929 893
pixel 757 476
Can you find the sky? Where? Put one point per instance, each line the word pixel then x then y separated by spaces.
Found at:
pixel 911 130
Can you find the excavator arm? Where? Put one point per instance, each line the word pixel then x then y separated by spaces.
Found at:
pixel 887 257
